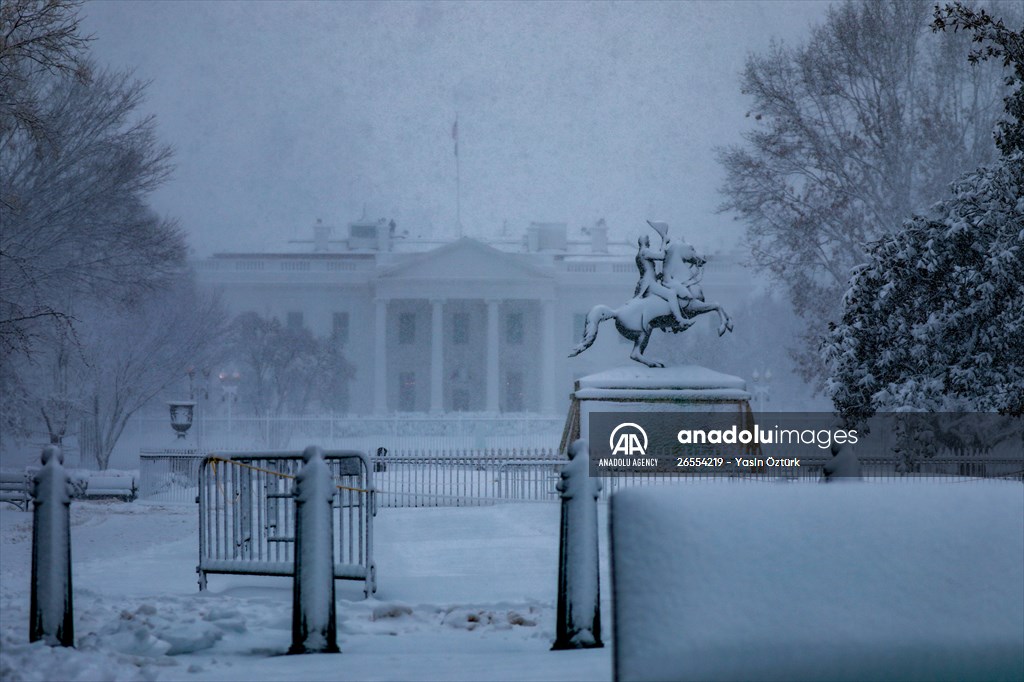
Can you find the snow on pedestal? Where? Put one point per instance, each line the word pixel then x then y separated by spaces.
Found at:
pixel 875 581
pixel 634 388
pixel 579 591
pixel 313 615
pixel 52 614
pixel 700 383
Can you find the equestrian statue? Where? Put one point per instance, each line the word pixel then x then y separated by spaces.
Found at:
pixel 666 298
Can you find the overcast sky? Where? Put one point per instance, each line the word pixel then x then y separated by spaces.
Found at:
pixel 282 113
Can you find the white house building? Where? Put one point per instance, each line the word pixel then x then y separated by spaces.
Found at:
pixel 463 326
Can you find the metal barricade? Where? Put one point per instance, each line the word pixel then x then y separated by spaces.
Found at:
pixel 247 515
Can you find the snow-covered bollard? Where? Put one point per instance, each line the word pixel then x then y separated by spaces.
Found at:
pixel 51 613
pixel 844 465
pixel 579 591
pixel 313 620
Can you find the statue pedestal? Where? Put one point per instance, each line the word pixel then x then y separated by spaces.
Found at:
pixel 636 388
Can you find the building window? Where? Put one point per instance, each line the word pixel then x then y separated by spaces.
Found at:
pixel 514 391
pixel 514 329
pixel 339 328
pixel 294 320
pixel 407 391
pixel 460 328
pixel 407 328
pixel 579 323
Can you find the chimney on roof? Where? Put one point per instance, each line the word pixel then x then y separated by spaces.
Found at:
pixel 385 233
pixel 599 237
pixel 532 238
pixel 321 233
pixel 371 235
pixel 546 237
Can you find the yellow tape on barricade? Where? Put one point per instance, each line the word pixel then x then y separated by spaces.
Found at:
pixel 216 478
pixel 214 461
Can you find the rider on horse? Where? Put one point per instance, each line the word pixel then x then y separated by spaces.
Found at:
pixel 669 284
pixel 677 299
pixel 651 281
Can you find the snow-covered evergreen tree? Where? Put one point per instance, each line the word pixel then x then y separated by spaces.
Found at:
pixel 935 320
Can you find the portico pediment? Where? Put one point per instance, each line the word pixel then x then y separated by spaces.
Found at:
pixel 464 260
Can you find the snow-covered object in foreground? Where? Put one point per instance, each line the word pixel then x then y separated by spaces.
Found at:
pixel 857 582
pixel 844 465
pixel 578 623
pixel 313 617
pixel 52 613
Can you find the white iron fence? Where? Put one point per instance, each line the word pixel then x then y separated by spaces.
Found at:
pixel 465 478
pixel 405 433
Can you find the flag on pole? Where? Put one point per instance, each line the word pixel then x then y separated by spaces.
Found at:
pixel 455 135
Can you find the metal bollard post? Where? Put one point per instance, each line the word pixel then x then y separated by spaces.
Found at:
pixel 52 614
pixel 313 618
pixel 244 508
pixel 578 623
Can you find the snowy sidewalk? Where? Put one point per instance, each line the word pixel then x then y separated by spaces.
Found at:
pixel 464 594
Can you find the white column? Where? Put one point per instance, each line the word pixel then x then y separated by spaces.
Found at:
pixel 380 367
pixel 436 356
pixel 492 356
pixel 548 385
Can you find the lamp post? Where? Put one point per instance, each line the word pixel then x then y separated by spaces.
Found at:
pixel 195 393
pixel 229 380
pixel 762 380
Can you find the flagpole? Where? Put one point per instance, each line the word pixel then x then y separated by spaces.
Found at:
pixel 458 196
pixel 458 177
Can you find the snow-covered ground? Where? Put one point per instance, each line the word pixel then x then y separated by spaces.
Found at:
pixel 464 594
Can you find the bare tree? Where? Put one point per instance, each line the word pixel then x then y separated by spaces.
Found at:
pixel 279 365
pixel 73 216
pixel 285 370
pixel 38 39
pixel 867 121
pixel 96 317
pixel 41 392
pixel 123 356
pixel 135 352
